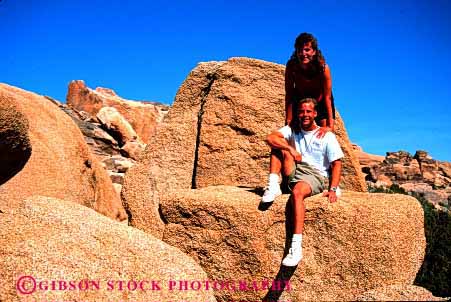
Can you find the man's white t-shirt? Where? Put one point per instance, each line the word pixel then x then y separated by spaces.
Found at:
pixel 317 152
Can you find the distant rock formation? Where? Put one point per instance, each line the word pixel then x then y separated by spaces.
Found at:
pixel 366 159
pixel 60 164
pixel 59 241
pixel 419 173
pixel 214 134
pixel 362 242
pixel 142 116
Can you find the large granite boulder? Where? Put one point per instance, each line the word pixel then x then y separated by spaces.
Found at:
pixel 362 242
pixel 60 164
pixel 143 116
pixel 53 240
pixel 214 134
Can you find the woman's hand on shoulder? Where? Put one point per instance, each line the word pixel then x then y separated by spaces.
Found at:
pixel 322 131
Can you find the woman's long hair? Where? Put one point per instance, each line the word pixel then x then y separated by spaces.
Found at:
pixel 318 60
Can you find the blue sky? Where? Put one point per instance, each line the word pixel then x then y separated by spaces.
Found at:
pixel 390 60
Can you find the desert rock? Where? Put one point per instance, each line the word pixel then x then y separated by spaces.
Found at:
pixel 143 116
pixel 366 159
pixel 117 124
pixel 60 164
pixel 419 174
pixel 214 134
pixel 362 242
pixel 51 239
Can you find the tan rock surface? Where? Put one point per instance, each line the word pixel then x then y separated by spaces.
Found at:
pixel 116 123
pixel 214 134
pixel 60 164
pixel 168 162
pixel 362 242
pixel 133 150
pixel 399 293
pixel 143 116
pixel 53 239
pixel 366 159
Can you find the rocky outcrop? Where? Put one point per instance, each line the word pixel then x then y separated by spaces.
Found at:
pixel 399 293
pixel 117 124
pixel 115 159
pixel 54 240
pixel 214 134
pixel 60 164
pixel 366 159
pixel 142 116
pixel 362 242
pixel 419 173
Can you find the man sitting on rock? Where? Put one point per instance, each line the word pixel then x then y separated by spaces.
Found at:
pixel 305 159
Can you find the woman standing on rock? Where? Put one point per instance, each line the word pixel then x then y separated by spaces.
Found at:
pixel 308 76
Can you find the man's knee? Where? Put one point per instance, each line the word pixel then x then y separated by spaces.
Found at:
pixel 302 190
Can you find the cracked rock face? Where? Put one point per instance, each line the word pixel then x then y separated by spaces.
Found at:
pixel 60 165
pixel 214 135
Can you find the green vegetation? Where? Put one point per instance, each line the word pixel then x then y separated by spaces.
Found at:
pixel 435 273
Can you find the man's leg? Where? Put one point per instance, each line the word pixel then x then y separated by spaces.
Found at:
pixel 300 191
pixel 275 167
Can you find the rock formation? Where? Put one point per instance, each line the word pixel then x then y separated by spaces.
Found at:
pixel 419 173
pixel 54 240
pixel 60 164
pixel 366 159
pixel 142 116
pixel 364 241
pixel 214 134
pixel 115 159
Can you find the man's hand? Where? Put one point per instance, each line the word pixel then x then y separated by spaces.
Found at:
pixel 322 131
pixel 331 196
pixel 296 155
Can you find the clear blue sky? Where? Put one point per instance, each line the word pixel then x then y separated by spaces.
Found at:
pixel 390 60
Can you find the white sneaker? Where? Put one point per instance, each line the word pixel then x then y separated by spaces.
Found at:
pixel 294 256
pixel 271 193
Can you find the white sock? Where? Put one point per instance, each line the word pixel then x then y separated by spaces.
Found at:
pixel 297 238
pixel 273 179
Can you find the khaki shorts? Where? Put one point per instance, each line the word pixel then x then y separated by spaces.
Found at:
pixel 304 172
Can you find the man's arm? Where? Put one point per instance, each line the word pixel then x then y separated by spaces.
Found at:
pixel 277 141
pixel 334 180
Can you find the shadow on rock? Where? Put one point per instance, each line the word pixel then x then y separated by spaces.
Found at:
pixel 15 147
pixel 435 272
pixel 282 280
